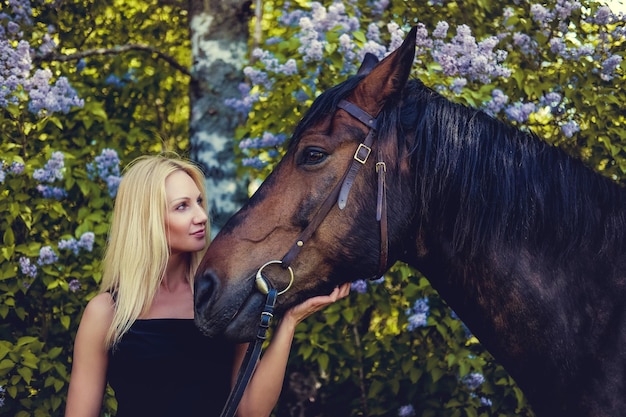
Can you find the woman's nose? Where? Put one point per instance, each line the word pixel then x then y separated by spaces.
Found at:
pixel 201 216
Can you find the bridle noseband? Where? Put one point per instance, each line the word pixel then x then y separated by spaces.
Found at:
pixel 339 194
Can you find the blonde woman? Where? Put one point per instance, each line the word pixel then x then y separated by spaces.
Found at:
pixel 138 333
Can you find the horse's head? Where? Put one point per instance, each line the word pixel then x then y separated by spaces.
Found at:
pixel 317 213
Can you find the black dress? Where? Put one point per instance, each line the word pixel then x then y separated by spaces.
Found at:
pixel 166 367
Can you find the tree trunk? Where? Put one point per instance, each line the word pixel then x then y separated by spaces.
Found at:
pixel 219 36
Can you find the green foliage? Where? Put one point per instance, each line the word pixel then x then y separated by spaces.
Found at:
pixel 143 109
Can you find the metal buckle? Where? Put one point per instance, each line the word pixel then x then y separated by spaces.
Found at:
pixel 381 165
pixel 367 153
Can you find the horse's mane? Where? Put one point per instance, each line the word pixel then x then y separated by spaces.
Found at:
pixel 501 183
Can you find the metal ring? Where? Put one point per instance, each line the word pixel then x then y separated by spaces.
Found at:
pixel 262 285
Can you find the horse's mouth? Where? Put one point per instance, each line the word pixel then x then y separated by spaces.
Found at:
pixel 234 315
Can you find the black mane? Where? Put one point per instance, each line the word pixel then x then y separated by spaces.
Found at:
pixel 501 183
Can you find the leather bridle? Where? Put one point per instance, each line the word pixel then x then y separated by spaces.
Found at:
pixel 342 189
pixel 339 194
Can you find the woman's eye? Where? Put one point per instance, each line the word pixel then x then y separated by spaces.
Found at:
pixel 312 156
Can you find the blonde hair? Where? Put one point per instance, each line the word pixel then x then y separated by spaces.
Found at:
pixel 137 252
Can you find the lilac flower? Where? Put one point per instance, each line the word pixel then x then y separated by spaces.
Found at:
pixel 473 380
pixel 485 402
pixel 462 56
pixel 254 162
pixel 52 170
pixel 373 33
pixel 74 285
pixel 48 191
pixel 2 175
pixel 27 268
pixel 21 11
pixel 603 16
pixel 609 66
pixel 69 244
pixel 47 256
pixel 86 241
pixel 523 42
pixel 418 314
pixel 359 286
pixel 417 320
pixel 441 31
pixel 570 128
pixel 106 166
pixel 541 14
pixel 520 112
pixel 267 140
pixel 457 85
pixel 551 99
pixel 558 47
pixel 406 411
pixel 113 183
pixel 46 99
pixel 16 168
pixel 565 8
pixel 497 102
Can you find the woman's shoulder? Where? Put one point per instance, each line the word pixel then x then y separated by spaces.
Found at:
pixel 100 308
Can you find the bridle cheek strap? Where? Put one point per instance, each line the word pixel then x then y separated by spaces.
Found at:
pixel 340 192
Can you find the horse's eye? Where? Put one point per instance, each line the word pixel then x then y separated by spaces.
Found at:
pixel 312 156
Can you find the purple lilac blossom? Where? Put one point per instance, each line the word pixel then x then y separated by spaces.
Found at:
pixel 473 380
pixel 497 103
pixel 520 112
pixel 27 268
pixel 541 14
pixel 48 191
pixel 359 286
pixel 603 16
pixel 406 411
pixel 16 168
pixel 609 66
pixel 69 244
pixel 86 241
pixel 46 99
pixel 21 11
pixel 74 285
pixel 462 56
pixel 570 128
pixel 418 314
pixel 106 166
pixel 47 256
pixel 485 402
pixel 441 31
pixel 52 170
pixel 2 175
pixel 457 85
pixel 254 162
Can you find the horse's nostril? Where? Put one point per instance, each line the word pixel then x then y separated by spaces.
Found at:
pixel 204 287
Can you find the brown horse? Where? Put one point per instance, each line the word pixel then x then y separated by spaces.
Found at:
pixel 526 244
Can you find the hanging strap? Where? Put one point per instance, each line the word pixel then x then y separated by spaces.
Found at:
pixel 252 357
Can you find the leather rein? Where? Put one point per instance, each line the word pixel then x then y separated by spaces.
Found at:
pixel 339 194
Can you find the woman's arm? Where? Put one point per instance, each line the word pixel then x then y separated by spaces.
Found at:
pixel 264 388
pixel 89 366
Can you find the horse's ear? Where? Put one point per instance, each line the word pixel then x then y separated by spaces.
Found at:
pixel 385 81
pixel 369 62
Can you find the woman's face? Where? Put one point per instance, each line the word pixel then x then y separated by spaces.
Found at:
pixel 185 219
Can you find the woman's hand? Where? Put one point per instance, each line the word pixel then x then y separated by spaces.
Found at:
pixel 314 304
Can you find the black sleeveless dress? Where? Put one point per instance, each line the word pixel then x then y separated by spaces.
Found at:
pixel 166 367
